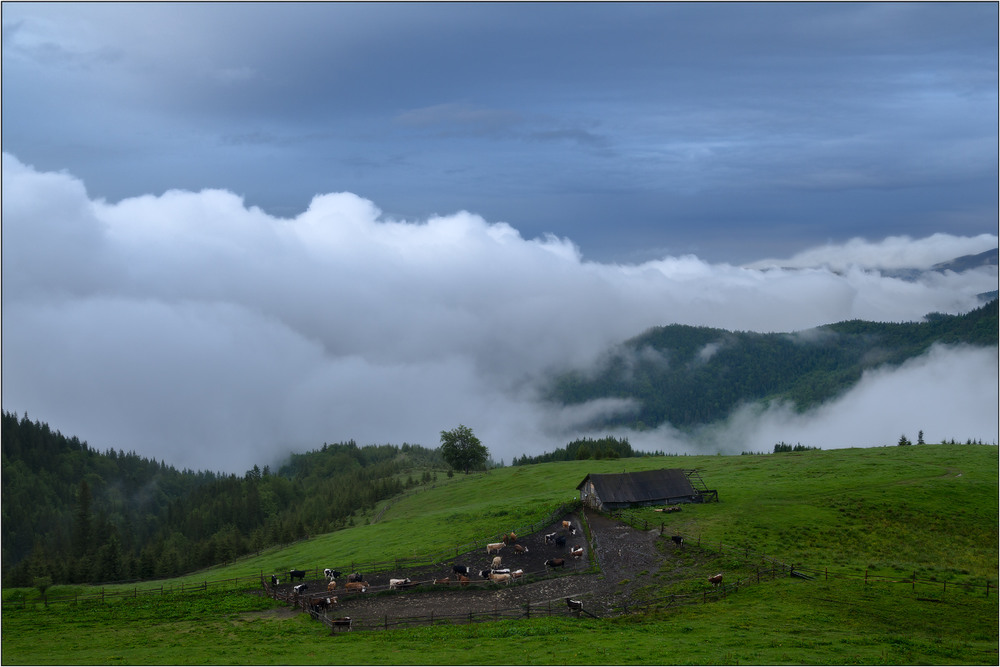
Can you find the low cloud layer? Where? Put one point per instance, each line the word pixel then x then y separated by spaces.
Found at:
pixel 192 328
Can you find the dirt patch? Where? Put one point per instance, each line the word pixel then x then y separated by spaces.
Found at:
pixel 624 556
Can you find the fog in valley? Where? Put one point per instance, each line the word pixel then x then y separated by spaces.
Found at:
pixel 192 328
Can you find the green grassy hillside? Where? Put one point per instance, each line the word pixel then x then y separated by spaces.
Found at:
pixel 897 511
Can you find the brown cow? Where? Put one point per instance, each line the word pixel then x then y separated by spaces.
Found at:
pixel 497 578
pixel 716 580
pixel 356 587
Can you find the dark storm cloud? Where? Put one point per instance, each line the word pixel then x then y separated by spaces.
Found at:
pixel 709 125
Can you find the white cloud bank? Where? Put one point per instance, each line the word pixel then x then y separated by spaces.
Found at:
pixel 190 328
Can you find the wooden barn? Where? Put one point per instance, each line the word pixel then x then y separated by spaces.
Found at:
pixel 668 486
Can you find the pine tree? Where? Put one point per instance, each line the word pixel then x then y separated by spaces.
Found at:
pixel 83 528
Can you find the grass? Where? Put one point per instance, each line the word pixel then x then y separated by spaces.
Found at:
pixel 930 510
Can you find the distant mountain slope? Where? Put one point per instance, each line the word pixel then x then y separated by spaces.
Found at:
pixel 966 262
pixel 958 265
pixel 77 514
pixel 689 375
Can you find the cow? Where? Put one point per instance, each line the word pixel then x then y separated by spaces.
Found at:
pixel 356 587
pixel 443 582
pixel 505 570
pixel 398 583
pixel 561 541
pixel 494 547
pixel 517 574
pixel 300 588
pixel 555 562
pixel 497 578
pixel 576 552
pixel 356 576
pixel 496 562
pixel 330 574
pixel 301 574
pixel 463 580
pixel 485 574
pixel 678 539
pixel 716 580
pixel 568 525
pixel 575 605
pixel 274 580
pixel 344 622
pixel 332 586
pixel 550 538
pixel 510 538
pixel 322 604
pixel 460 569
pixel 518 549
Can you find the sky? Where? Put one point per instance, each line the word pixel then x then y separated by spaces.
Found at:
pixel 231 231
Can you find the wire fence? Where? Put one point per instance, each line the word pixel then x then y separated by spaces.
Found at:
pixel 105 595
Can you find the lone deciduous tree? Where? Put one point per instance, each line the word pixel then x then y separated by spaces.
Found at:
pixel 462 449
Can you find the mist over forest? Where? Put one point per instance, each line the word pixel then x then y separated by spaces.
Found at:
pixel 194 329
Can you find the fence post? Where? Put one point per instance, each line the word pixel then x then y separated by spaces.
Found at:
pixel 914 588
pixel 866 576
pixel 987 589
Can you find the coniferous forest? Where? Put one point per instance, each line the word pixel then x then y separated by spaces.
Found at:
pixel 75 514
pixel 688 375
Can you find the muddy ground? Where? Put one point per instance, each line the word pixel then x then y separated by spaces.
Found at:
pixel 622 553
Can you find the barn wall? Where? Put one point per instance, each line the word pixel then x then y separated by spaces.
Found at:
pixel 589 497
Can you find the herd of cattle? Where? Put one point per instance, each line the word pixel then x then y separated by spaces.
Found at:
pixel 496 572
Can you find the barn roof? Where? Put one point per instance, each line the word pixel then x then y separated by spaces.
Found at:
pixel 631 487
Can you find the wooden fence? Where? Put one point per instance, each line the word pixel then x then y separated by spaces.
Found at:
pixel 766 568
pixel 339 623
pixel 443 555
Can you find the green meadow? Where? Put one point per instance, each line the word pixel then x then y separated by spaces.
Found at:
pixel 928 512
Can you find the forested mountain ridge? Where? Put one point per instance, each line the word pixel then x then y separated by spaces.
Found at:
pixel 688 375
pixel 75 514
